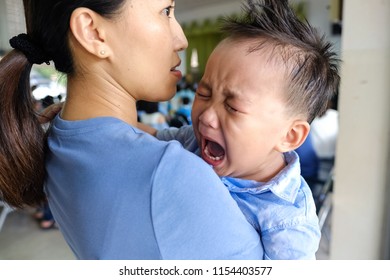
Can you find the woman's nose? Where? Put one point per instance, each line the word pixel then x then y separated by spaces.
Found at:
pixel 181 42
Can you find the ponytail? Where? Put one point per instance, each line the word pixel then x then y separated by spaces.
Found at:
pixel 22 139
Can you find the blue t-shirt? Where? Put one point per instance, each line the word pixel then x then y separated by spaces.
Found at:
pixel 282 210
pixel 119 193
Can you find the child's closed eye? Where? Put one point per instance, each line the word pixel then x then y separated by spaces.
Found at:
pixel 202 95
pixel 230 109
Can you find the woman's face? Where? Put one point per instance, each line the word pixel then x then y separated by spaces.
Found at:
pixel 145 40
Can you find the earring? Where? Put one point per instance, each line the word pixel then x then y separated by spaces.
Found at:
pixel 102 52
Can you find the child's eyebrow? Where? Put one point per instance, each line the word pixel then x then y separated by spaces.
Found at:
pixel 205 85
pixel 236 95
pixel 231 93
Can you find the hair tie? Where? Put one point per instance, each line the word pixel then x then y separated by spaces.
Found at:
pixel 33 53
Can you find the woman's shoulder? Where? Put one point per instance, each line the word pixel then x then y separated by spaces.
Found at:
pixel 183 166
pixel 193 214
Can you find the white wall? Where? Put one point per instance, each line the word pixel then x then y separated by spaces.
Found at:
pixel 362 162
pixel 3 27
pixel 11 21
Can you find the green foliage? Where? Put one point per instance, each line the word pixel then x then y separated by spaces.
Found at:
pixel 300 9
pixel 203 37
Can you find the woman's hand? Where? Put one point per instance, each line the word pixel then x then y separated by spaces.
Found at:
pixel 49 113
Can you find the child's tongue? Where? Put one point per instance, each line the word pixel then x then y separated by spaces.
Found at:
pixel 215 149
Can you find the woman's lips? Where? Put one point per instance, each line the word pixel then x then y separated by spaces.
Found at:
pixel 177 74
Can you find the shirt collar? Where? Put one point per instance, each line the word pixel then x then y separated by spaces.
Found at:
pixel 284 185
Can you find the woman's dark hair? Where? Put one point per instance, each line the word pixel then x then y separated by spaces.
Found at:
pixel 22 139
pixel 312 66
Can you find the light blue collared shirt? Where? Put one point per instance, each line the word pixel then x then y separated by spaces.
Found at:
pixel 282 210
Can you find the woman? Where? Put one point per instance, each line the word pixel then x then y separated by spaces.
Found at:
pixel 115 192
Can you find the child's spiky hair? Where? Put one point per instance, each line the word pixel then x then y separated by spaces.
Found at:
pixel 312 65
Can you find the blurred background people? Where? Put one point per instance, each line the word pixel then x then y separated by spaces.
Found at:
pixel 149 113
pixel 317 154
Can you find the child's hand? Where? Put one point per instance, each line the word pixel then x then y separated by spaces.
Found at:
pixel 147 128
pixel 49 113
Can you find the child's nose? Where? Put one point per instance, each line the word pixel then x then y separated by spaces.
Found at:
pixel 209 117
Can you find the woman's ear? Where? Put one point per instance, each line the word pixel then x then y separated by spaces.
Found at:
pixel 295 136
pixel 88 29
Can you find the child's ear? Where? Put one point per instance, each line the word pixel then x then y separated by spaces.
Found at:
pixel 88 29
pixel 294 137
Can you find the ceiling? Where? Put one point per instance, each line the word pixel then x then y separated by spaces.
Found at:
pixel 187 5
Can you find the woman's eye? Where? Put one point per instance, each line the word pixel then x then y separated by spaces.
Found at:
pixel 167 11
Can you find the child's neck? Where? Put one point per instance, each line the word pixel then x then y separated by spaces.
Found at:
pixel 272 168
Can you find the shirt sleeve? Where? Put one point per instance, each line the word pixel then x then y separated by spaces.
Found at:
pixel 184 135
pixel 293 239
pixel 167 134
pixel 194 217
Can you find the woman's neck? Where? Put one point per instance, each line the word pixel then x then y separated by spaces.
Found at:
pixel 91 100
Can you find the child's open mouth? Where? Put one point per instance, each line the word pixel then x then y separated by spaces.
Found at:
pixel 213 153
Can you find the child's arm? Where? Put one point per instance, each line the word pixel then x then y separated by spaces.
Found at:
pixel 184 135
pixel 291 231
pixel 49 113
pixel 293 242
pixel 148 129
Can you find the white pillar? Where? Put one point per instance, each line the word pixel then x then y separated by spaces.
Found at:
pixel 360 213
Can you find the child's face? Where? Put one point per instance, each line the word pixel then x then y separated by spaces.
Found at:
pixel 239 113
